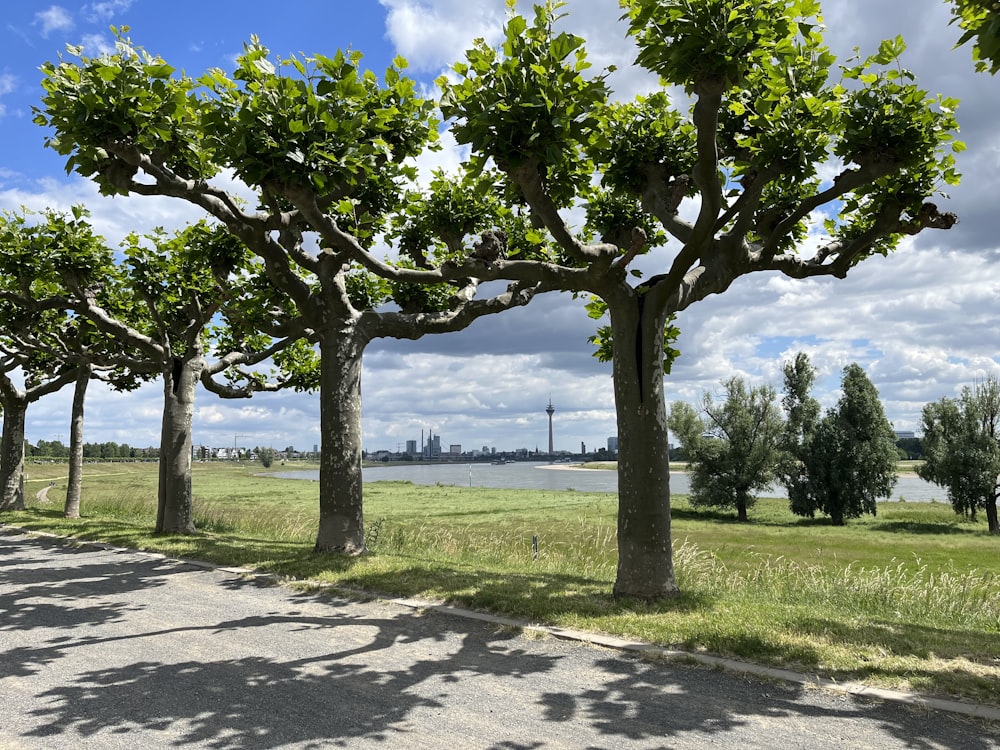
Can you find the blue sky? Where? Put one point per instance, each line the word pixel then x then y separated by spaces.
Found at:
pixel 923 322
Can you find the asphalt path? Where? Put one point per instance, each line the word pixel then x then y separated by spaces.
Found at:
pixel 104 648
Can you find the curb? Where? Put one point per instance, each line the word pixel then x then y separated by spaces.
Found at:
pixel 639 648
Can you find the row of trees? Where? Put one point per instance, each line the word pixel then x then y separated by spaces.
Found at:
pixel 106 450
pixel 326 147
pixel 838 463
pixel 841 462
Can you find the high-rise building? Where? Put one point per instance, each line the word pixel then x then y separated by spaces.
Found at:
pixel 411 447
pixel 550 410
pixel 613 444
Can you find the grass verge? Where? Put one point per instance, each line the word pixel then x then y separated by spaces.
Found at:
pixel 909 599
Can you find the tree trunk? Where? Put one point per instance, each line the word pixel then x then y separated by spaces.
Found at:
pixel 645 562
pixel 741 511
pixel 175 512
pixel 72 507
pixel 12 454
pixel 991 517
pixel 341 517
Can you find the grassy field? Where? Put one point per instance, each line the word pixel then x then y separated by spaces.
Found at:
pixel 908 599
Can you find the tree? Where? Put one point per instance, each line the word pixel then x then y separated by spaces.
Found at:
pixel 733 451
pixel 41 345
pixel 157 315
pixel 980 24
pixel 266 456
pixel 802 417
pixel 764 118
pixel 176 301
pixel 962 449
pixel 325 146
pixel 847 461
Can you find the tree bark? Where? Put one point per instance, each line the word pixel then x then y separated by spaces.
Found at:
pixel 741 511
pixel 991 516
pixel 175 511
pixel 341 517
pixel 12 454
pixel 75 482
pixel 645 560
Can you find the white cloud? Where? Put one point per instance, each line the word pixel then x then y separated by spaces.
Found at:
pixel 922 322
pixel 433 34
pixel 97 44
pixel 55 18
pixel 105 11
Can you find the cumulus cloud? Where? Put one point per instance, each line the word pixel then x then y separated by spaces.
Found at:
pixel 432 34
pixel 55 18
pixel 107 10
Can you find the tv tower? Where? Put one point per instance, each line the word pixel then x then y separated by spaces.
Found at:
pixel 550 410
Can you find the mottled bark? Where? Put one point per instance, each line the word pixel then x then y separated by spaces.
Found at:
pixel 12 454
pixel 75 486
pixel 175 512
pixel 645 561
pixel 341 517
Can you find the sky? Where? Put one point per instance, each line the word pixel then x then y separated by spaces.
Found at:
pixel 923 322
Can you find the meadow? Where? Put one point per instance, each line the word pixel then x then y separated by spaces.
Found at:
pixel 909 599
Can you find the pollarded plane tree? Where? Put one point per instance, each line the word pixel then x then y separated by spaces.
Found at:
pixel 325 148
pixel 26 375
pixel 158 314
pixel 174 307
pixel 743 162
pixel 44 347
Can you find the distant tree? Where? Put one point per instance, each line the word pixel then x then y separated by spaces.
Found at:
pixel 802 417
pixel 266 456
pixel 980 23
pixel 733 450
pixel 962 449
pixel 849 461
pixel 912 448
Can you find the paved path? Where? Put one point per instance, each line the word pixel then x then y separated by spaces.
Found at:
pixel 114 649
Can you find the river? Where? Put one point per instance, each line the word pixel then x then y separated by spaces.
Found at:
pixel 531 475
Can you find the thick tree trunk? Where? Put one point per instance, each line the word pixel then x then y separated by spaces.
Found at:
pixel 341 517
pixel 645 562
pixel 991 517
pixel 12 455
pixel 175 512
pixel 72 507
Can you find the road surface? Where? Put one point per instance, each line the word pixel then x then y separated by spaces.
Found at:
pixel 105 648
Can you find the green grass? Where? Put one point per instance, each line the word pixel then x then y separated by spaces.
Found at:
pixel 909 599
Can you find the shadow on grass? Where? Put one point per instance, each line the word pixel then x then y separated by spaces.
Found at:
pixel 918 527
pixel 910 651
pixel 539 597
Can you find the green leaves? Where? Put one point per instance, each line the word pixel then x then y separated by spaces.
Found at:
pixel 980 24
pixel 105 110
pixel 528 103
pixel 692 43
pixel 321 123
pixel 436 223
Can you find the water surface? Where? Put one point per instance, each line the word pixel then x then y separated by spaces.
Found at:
pixel 534 475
